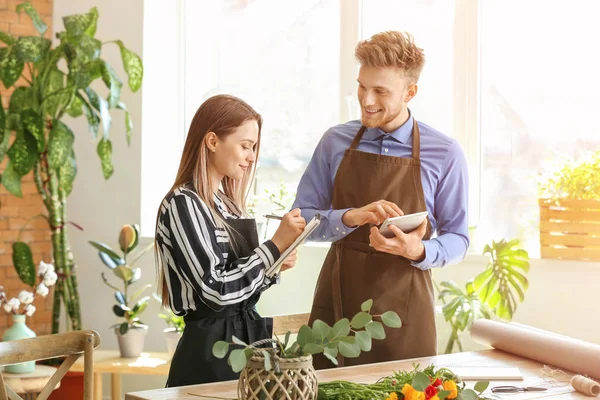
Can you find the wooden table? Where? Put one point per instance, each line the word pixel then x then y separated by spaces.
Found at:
pixel 30 384
pixel 372 372
pixel 110 362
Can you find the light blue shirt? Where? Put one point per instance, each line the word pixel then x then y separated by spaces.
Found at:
pixel 443 174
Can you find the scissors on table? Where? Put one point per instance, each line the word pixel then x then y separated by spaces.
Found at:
pixel 517 389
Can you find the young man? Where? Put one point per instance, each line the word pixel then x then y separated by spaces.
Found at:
pixel 386 165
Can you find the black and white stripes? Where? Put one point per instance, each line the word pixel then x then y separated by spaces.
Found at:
pixel 194 254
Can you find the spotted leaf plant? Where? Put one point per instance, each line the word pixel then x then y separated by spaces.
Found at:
pixel 346 337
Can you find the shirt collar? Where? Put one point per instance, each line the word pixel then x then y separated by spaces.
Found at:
pixel 402 134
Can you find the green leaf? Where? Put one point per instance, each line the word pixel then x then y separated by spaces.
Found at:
pixel 31 48
pixel 331 354
pixel 141 305
pixel 7 38
pixel 287 339
pixel 23 153
pixel 123 328
pixel 105 249
pixel 341 328
pixel 79 76
pixel 119 310
pixel 4 133
pixel 60 144
pixel 105 153
pixel 128 122
pixel 20 100
pixel 305 335
pixel 364 340
pixel 139 292
pixel 360 320
pixel 469 394
pixel 375 329
pixel 347 339
pixel 238 341
pixel 34 124
pixel 320 330
pixel 132 63
pixel 35 17
pixel 80 24
pixel 113 83
pixel 481 386
pixel 312 348
pixel 391 319
pixel 92 117
pixel 420 381
pixel 349 350
pixel 120 298
pixel 66 174
pixel 123 272
pixel 238 360
pixel 220 349
pixel 23 261
pixel 11 180
pixel 75 108
pixel 366 306
pixel 267 360
pixel 442 394
pixel 88 50
pixel 11 67
pixel 100 104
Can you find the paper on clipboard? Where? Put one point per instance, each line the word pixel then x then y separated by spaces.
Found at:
pixel 308 229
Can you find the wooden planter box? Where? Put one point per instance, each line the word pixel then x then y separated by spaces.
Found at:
pixel 570 229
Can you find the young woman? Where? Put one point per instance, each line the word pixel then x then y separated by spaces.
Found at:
pixel 211 267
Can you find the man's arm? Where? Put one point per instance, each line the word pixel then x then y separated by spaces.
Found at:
pixel 315 191
pixel 450 205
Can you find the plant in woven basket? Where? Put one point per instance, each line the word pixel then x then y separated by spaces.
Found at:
pixel 285 370
pixel 495 291
pixel 574 180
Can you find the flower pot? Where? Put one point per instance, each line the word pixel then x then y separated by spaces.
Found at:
pixel 296 379
pixel 19 330
pixel 172 337
pixel 570 229
pixel 131 344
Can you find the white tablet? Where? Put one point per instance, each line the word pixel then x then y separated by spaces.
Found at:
pixel 406 223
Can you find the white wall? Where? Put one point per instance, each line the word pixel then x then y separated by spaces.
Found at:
pixel 563 296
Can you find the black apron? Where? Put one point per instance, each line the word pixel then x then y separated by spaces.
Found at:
pixel 193 362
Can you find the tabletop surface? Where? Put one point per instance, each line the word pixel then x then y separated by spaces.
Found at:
pixel 370 373
pixel 110 361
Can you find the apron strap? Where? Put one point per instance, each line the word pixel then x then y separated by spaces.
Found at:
pixel 358 137
pixel 416 145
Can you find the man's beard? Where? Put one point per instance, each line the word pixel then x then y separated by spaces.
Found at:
pixel 380 121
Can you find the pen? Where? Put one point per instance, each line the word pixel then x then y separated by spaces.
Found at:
pixel 271 216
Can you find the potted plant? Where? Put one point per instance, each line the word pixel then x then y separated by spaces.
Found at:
pixel 274 203
pixel 58 84
pixel 284 368
pixel 494 292
pixel 569 201
pixel 22 306
pixel 174 331
pixel 131 331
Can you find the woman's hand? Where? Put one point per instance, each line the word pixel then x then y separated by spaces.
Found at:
pixel 290 262
pixel 291 226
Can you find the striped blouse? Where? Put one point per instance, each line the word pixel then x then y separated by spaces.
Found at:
pixel 194 253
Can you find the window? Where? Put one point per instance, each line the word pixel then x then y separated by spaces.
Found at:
pixel 538 105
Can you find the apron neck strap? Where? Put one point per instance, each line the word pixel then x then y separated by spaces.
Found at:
pixel 416 145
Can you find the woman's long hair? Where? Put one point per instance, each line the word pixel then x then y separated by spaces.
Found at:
pixel 220 114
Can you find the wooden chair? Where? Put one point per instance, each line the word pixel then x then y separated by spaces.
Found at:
pixel 71 344
pixel 284 323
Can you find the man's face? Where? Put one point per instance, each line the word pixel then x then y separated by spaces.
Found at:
pixel 383 94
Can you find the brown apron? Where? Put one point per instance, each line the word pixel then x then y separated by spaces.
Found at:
pixel 354 272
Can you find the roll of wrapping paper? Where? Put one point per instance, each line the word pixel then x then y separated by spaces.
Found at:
pixel 546 347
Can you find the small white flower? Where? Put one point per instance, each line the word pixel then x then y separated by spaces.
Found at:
pixel 14 304
pixel 42 290
pixel 26 297
pixel 43 268
pixel 50 278
pixel 7 307
pixel 29 310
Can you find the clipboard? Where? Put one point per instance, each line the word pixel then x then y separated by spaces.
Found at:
pixel 308 229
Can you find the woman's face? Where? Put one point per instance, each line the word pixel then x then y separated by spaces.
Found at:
pixel 235 154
